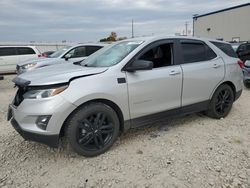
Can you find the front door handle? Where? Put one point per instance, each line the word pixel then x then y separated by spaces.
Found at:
pixel 173 72
pixel 216 66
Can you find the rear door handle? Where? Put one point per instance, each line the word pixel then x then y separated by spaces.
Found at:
pixel 173 72
pixel 216 66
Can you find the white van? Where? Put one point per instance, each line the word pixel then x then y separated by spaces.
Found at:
pixel 10 56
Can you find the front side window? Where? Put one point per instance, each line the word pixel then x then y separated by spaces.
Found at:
pixel 9 51
pixel 161 55
pixel 111 55
pixel 78 52
pixel 196 52
pixel 60 52
pixel 25 51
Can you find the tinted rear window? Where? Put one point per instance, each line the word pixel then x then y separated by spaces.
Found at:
pixel 25 51
pixel 92 49
pixel 226 48
pixel 7 51
pixel 196 52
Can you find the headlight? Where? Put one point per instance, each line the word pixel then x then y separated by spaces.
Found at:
pixel 44 93
pixel 28 66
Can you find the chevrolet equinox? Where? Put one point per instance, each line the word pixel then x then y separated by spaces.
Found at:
pixel 125 85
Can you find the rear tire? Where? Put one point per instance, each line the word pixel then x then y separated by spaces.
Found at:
pixel 92 129
pixel 221 102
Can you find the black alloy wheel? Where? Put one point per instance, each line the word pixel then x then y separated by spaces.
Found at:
pixel 92 129
pixel 224 101
pixel 95 131
pixel 221 102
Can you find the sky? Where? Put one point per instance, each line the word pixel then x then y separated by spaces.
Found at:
pixel 91 20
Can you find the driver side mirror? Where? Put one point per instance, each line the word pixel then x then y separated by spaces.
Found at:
pixel 67 57
pixel 140 65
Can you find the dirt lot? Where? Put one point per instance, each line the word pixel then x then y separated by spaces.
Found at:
pixel 193 151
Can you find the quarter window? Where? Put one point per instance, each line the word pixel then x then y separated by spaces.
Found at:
pixel 226 48
pixel 196 52
pixel 25 51
pixel 161 55
pixel 7 51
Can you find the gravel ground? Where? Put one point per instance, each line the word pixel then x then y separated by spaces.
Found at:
pixel 192 151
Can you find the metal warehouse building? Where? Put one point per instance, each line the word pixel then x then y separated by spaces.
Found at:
pixel 231 24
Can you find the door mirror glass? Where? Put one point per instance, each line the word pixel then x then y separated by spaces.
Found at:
pixel 247 63
pixel 140 65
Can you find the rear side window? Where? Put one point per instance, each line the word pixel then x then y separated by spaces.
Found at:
pixel 92 49
pixel 196 52
pixel 226 48
pixel 7 51
pixel 25 51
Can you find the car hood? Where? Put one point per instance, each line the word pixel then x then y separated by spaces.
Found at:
pixel 40 60
pixel 56 74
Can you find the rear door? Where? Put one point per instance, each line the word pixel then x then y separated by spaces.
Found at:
pixel 159 89
pixel 202 69
pixel 8 59
pixel 26 53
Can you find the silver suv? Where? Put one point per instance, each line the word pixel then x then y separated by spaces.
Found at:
pixel 125 85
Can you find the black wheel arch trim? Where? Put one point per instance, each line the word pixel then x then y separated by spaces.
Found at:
pixel 124 125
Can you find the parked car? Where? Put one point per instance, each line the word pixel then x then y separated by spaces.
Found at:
pixel 48 53
pixel 127 84
pixel 68 54
pixel 246 72
pixel 10 56
pixel 243 51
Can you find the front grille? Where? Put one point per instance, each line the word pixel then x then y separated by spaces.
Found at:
pixel 19 96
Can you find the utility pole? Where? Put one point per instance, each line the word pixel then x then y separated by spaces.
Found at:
pixel 132 28
pixel 186 26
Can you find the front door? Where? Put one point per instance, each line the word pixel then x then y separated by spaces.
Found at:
pixel 159 89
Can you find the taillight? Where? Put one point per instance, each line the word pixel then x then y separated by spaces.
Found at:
pixel 39 55
pixel 241 64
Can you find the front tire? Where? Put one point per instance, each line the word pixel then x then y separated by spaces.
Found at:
pixel 221 102
pixel 92 129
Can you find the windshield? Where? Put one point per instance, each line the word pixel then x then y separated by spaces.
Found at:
pixel 111 55
pixel 60 52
